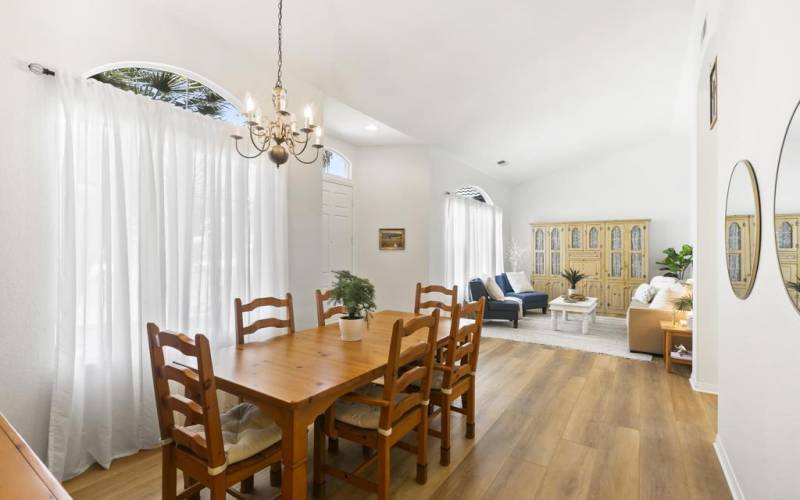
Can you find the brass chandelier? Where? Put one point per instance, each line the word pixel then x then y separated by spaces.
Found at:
pixel 280 137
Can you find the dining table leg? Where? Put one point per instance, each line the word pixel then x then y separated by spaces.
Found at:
pixel 295 457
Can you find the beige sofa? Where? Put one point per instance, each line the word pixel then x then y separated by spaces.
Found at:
pixel 644 327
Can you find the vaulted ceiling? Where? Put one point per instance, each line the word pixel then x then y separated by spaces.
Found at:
pixel 538 83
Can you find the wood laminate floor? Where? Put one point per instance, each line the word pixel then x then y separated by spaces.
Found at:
pixel 551 424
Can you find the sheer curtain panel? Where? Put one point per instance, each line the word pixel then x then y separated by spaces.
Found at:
pixel 473 241
pixel 159 220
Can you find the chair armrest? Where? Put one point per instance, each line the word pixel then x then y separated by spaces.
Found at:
pixel 355 397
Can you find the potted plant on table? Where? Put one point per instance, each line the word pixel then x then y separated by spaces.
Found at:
pixel 684 304
pixel 573 276
pixel 357 295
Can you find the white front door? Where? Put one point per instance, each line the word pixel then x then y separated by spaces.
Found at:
pixel 337 229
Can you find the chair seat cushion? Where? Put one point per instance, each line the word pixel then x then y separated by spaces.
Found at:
pixel 363 415
pixel 502 305
pixel 246 431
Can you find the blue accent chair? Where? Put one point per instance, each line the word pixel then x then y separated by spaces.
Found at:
pixel 495 309
pixel 530 300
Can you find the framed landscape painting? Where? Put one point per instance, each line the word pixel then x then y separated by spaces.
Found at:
pixel 392 239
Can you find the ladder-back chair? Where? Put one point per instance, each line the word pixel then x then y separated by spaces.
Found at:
pixel 455 378
pixel 242 331
pixel 378 417
pixel 322 313
pixel 207 458
pixel 419 304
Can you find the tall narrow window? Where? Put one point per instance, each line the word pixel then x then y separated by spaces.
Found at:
pixel 785 236
pixel 555 251
pixel 616 252
pixel 594 238
pixel 735 252
pixel 576 237
pixel 539 251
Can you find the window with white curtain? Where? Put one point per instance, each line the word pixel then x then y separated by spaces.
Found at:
pixel 473 241
pixel 160 220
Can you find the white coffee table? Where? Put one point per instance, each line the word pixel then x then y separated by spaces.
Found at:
pixel 586 308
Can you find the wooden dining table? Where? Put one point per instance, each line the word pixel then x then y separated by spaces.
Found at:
pixel 295 377
pixel 22 474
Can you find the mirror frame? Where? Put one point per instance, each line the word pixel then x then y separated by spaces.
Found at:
pixel 775 205
pixel 757 236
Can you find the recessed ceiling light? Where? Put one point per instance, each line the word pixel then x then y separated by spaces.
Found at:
pixel 371 127
pixel 502 163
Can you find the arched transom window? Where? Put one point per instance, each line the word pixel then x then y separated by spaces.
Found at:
pixel 173 88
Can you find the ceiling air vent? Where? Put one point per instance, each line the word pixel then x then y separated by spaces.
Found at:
pixel 502 163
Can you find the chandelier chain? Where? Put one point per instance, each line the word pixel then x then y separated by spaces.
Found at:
pixel 279 82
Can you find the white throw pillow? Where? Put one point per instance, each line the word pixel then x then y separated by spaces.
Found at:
pixel 644 293
pixel 660 282
pixel 494 289
pixel 666 296
pixel 519 282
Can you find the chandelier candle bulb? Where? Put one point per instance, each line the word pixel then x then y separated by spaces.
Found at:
pixel 279 136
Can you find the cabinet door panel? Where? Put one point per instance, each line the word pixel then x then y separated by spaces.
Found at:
pixel 615 299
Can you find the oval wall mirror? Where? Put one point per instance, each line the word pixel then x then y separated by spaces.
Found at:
pixel 742 228
pixel 787 209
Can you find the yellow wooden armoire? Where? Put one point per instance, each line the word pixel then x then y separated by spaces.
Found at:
pixel 613 255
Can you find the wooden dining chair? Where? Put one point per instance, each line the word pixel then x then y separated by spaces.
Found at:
pixel 455 378
pixel 378 417
pixel 322 313
pixel 419 304
pixel 208 457
pixel 242 331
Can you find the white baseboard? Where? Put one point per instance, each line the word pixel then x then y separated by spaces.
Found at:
pixel 702 386
pixel 727 470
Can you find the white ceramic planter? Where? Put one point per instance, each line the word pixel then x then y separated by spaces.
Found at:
pixel 570 291
pixel 352 329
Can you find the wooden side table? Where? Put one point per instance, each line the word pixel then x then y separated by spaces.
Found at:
pixel 670 330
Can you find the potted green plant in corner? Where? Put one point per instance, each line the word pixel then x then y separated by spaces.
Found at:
pixel 357 295
pixel 677 262
pixel 573 276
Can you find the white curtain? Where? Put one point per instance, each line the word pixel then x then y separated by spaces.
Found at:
pixel 159 220
pixel 473 241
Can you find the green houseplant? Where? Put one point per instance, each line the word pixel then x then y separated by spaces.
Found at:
pixel 677 262
pixel 573 276
pixel 357 295
pixel 794 285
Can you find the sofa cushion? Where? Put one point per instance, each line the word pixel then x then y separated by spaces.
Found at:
pixel 530 300
pixel 666 296
pixel 502 281
pixel 645 293
pixel 519 282
pixel 660 282
pixel 502 305
pixel 477 289
pixel 494 289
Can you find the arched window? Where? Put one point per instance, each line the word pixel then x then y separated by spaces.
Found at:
pixel 175 88
pixel 785 236
pixel 576 237
pixel 333 163
pixel 594 238
pixel 475 193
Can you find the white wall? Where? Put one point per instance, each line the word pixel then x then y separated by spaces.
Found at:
pixel 392 189
pixel 759 338
pixel 645 181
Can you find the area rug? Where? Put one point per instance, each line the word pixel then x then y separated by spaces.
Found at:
pixel 606 336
